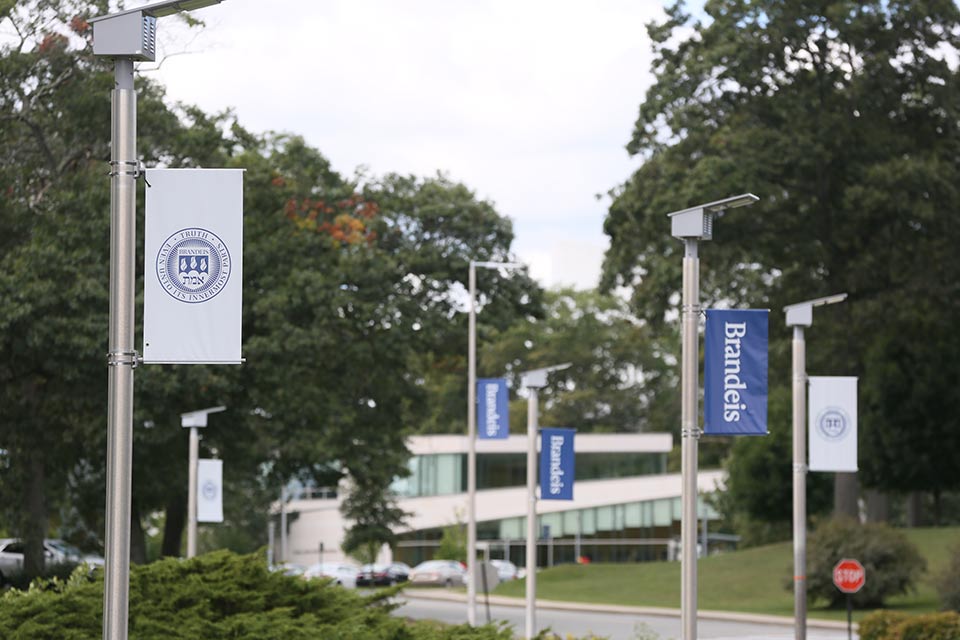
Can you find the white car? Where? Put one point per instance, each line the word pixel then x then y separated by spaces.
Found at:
pixel 341 573
pixel 54 552
pixel 288 569
pixel 441 573
pixel 506 570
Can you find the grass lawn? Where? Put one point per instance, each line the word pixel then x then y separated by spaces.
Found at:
pixel 751 581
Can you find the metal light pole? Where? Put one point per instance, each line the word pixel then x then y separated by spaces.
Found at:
pixel 472 435
pixel 125 36
pixel 283 524
pixel 800 315
pixel 691 226
pixel 193 420
pixel 532 381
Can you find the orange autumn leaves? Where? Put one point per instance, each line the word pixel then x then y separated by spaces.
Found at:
pixel 346 221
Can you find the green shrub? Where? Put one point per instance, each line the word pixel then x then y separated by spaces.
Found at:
pixel 892 563
pixel 879 625
pixel 218 595
pixel 892 625
pixel 948 582
pixel 933 626
pixel 21 580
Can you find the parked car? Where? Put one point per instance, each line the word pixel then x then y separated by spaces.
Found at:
pixel 288 569
pixel 54 552
pixel 341 573
pixel 506 570
pixel 382 575
pixel 444 573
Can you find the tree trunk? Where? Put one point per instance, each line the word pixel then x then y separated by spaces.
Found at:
pixel 914 508
pixel 846 490
pixel 878 506
pixel 35 508
pixel 138 539
pixel 936 507
pixel 176 519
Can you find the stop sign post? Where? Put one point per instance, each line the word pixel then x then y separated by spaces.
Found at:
pixel 849 576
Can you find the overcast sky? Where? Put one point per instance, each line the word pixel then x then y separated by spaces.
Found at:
pixel 528 102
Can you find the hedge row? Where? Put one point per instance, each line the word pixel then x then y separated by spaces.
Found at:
pixel 218 595
pixel 892 625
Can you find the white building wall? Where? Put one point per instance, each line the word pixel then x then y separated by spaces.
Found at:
pixel 319 520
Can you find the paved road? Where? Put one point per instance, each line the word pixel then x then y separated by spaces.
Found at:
pixel 616 626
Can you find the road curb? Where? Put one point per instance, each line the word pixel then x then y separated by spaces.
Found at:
pixel 706 614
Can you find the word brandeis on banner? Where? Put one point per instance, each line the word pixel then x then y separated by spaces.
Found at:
pixel 556 464
pixel 832 423
pixel 209 490
pixel 735 372
pixel 493 409
pixel 193 266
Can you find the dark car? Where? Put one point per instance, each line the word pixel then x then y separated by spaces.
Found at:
pixel 382 575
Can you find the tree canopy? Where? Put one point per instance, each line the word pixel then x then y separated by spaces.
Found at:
pixel 842 117
pixel 349 281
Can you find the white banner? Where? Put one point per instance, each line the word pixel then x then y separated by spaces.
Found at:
pixel 832 424
pixel 209 490
pixel 193 266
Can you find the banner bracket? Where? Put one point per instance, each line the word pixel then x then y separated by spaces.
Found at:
pixel 691 433
pixel 121 358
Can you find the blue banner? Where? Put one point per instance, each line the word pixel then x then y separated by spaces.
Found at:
pixel 735 372
pixel 556 464
pixel 493 409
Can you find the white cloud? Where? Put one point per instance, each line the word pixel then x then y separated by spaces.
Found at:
pixel 529 103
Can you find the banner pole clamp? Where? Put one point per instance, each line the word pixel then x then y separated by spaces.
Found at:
pixel 120 358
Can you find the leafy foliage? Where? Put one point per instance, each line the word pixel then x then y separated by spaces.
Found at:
pixel 842 117
pixel 349 283
pixel 879 625
pixel 948 581
pixel 892 625
pixel 453 543
pixel 617 366
pixel 217 595
pixel 891 562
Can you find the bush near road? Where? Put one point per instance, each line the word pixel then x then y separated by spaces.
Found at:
pixel 894 625
pixel 893 564
pixel 218 595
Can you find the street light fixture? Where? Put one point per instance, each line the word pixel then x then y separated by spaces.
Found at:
pixel 532 381
pixel 800 315
pixel 125 36
pixel 692 225
pixel 193 420
pixel 472 434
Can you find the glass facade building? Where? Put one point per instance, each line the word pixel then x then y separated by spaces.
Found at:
pixel 446 473
pixel 629 532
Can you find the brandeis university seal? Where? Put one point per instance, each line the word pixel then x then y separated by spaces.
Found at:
pixel 833 423
pixel 193 265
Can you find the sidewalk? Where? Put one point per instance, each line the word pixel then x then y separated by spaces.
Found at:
pixel 706 614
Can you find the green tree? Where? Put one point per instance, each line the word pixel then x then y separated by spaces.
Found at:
pixel 616 371
pixel 347 287
pixel 453 543
pixel 52 242
pixel 842 117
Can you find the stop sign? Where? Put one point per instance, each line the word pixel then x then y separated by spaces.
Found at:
pixel 849 576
